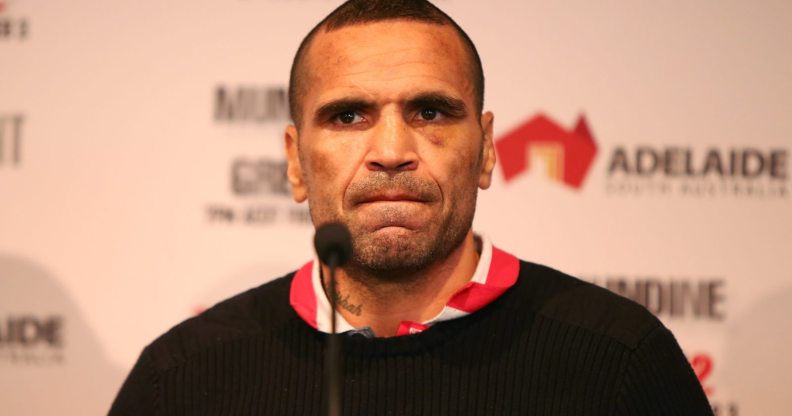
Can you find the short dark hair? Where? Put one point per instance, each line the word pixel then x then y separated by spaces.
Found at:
pixel 354 12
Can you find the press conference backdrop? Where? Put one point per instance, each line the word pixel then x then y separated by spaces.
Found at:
pixel 644 146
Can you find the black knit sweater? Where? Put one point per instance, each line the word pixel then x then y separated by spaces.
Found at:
pixel 550 345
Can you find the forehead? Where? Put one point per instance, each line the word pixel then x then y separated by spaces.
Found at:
pixel 387 58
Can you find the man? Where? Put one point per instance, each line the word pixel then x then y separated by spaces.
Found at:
pixel 389 138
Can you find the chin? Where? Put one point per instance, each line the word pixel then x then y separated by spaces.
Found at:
pixel 393 253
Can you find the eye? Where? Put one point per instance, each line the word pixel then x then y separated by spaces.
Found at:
pixel 429 114
pixel 348 117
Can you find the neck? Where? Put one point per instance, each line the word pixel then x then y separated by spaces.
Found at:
pixel 383 305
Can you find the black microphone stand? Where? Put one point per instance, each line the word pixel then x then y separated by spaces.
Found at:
pixel 333 244
pixel 333 357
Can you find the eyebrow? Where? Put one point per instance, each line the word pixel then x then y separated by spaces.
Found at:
pixel 332 108
pixel 451 106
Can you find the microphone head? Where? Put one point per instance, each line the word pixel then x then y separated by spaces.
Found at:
pixel 333 243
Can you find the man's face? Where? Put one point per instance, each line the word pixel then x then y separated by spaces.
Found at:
pixel 390 142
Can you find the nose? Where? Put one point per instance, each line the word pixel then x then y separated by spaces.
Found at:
pixel 392 146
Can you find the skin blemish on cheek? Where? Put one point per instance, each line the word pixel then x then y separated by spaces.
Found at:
pixel 434 139
pixel 445 134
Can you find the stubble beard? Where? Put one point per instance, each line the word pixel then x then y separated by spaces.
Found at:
pixel 397 257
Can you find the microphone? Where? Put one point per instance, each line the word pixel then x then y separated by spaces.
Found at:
pixel 333 245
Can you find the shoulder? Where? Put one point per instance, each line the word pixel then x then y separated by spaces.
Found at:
pixel 566 299
pixel 251 313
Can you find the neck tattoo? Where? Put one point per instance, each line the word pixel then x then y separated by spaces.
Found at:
pixel 343 301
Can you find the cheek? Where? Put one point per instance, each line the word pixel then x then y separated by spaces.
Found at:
pixel 436 137
pixel 457 173
pixel 463 140
pixel 329 172
pixel 321 175
pixel 453 155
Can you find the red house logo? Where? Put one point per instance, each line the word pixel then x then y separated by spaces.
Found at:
pixel 567 155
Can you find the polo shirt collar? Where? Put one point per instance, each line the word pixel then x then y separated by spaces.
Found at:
pixel 495 273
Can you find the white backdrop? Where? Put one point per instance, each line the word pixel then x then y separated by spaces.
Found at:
pixel 141 173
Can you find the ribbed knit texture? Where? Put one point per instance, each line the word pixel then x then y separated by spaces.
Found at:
pixel 551 345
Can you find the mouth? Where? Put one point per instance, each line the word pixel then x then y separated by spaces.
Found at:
pixel 392 210
pixel 390 197
pixel 383 190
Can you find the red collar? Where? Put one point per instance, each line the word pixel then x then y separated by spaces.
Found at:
pixel 496 272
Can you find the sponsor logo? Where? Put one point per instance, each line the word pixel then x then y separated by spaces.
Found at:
pixel 252 179
pixel 11 131
pixel 567 154
pixel 251 104
pixel 29 339
pixel 687 171
pixel 11 26
pixel 674 298
pixel 258 185
pixel 703 365
pixel 259 176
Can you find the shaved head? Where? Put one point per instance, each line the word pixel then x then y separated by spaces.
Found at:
pixel 357 12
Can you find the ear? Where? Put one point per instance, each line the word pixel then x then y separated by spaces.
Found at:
pixel 488 152
pixel 294 170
